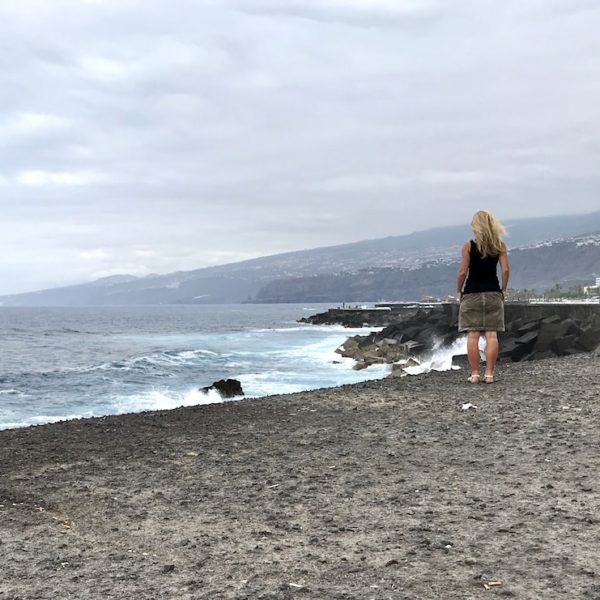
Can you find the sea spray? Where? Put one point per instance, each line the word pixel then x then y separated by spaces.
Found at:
pixel 439 358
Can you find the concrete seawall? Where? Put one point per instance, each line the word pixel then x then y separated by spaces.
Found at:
pixel 380 317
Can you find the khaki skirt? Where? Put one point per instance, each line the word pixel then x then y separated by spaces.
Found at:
pixel 483 311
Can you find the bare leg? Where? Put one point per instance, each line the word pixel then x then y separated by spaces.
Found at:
pixel 473 351
pixel 491 352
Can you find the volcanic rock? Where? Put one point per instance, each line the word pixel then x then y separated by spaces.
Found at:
pixel 227 388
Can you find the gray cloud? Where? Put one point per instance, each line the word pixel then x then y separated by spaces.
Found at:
pixel 149 137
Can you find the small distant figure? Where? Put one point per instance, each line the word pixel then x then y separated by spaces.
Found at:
pixel 479 292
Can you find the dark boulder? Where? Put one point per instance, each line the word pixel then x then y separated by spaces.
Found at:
pixel 527 338
pixel 568 327
pixel 460 360
pixel 507 347
pixel 564 346
pixel 450 338
pixel 227 388
pixel 521 352
pixel 514 325
pixel 531 326
pixel 551 319
pixel 547 334
pixel 589 339
pixel 411 332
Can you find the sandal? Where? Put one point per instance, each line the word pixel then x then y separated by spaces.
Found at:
pixel 489 378
pixel 475 377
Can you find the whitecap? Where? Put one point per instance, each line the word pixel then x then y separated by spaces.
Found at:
pixel 440 358
pixel 163 400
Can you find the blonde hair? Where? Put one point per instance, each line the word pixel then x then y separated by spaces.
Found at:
pixel 488 233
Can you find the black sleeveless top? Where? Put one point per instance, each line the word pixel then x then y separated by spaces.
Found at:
pixel 482 273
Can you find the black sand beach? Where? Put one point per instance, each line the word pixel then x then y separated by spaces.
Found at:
pixel 386 489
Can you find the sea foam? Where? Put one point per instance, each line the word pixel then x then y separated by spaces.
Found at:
pixel 440 357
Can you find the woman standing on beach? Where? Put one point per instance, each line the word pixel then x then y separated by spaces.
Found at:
pixel 481 297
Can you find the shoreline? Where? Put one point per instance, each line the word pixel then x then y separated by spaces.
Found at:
pixel 262 375
pixel 381 489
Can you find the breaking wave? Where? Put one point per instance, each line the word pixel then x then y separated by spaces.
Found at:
pixel 165 369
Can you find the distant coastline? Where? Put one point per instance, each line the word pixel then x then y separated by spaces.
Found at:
pixel 544 252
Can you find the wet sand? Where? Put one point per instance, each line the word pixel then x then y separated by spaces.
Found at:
pixel 386 489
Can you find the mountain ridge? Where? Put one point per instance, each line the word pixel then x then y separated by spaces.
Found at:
pixel 246 280
pixel 568 261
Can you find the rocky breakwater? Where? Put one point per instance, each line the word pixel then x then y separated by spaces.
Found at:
pixel 402 342
pixel 550 336
pixel 361 317
pixel 532 332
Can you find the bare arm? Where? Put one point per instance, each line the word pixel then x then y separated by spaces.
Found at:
pixel 504 266
pixel 463 269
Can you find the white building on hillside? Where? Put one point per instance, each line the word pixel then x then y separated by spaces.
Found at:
pixel 592 290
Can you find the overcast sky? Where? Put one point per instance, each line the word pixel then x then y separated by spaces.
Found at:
pixel 141 136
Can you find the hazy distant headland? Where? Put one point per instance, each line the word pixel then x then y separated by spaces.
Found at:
pixel 544 251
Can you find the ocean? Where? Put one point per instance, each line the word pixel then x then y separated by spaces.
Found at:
pixel 66 363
